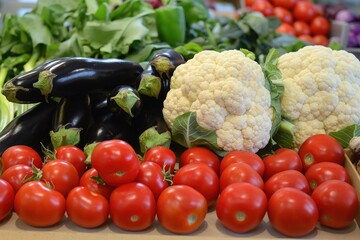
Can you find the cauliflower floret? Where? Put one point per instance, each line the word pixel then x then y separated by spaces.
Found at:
pixel 226 91
pixel 322 90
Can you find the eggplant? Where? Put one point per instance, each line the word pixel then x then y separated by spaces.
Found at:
pixel 70 77
pixel 165 61
pixel 30 128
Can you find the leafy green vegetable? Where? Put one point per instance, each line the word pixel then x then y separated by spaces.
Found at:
pixel 346 134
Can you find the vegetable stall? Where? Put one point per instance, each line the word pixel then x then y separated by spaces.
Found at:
pixel 166 120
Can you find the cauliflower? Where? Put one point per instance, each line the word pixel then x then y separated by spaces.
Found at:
pixel 322 90
pixel 226 91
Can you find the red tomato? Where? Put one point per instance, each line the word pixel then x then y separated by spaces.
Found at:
pixel 283 159
pixel 337 202
pixel 304 11
pixel 17 174
pixel 181 209
pixel 320 40
pixel 61 175
pixel 246 157
pixel 264 7
pixel 286 28
pixel 321 148
pixel 288 4
pixel 91 180
pixel 249 3
pixel 116 161
pixel 200 154
pixel 324 171
pixel 241 207
pixel 86 208
pixel 202 178
pixel 240 172
pixel 320 25
pixel 165 157
pixel 7 196
pixel 287 178
pixel 20 154
pixel 74 155
pixel 151 174
pixel 132 206
pixel 292 212
pixel 306 38
pixel 283 14
pixel 301 28
pixel 39 206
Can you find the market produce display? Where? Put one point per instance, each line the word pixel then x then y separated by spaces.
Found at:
pixel 226 115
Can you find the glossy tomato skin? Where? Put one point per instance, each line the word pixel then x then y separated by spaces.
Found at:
pixel 34 202
pixel 163 156
pixel 283 159
pixel 283 14
pixel 202 178
pixel 17 174
pixel 61 175
pixel 151 174
pixel 323 171
pixel 320 39
pixel 304 11
pixel 7 196
pixel 321 148
pixel 241 207
pixel 132 206
pixel 287 178
pixel 74 155
pixel 85 208
pixel 91 180
pixel 116 161
pixel 242 156
pixel 337 202
pixel 288 4
pixel 286 28
pixel 320 25
pixel 301 28
pixel 264 7
pixel 200 154
pixel 181 209
pixel 240 172
pixel 20 154
pixel 292 212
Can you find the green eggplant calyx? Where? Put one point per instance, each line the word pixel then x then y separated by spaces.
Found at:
pixel 45 83
pixel 162 65
pixel 126 100
pixel 10 92
pixel 150 85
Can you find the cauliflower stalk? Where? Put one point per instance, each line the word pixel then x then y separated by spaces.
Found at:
pixel 322 91
pixel 223 100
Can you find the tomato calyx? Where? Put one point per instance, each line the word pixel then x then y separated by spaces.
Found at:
pixel 191 219
pixel 168 175
pixel 120 173
pixel 97 179
pixel 309 159
pixel 240 216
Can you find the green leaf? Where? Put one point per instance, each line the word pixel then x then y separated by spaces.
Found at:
pixel 284 136
pixel 344 135
pixel 151 138
pixel 35 27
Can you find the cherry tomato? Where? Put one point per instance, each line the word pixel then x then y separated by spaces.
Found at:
pixel 200 154
pixel 301 28
pixel 20 154
pixel 320 40
pixel 288 4
pixel 306 38
pixel 304 11
pixel 321 148
pixel 264 7
pixel 165 157
pixel 39 206
pixel 181 209
pixel 74 155
pixel 240 172
pixel 246 157
pixel 151 174
pixel 7 196
pixel 320 25
pixel 287 178
pixel 286 28
pixel 116 161
pixel 283 159
pixel 241 207
pixel 61 175
pixel 86 208
pixel 132 206
pixel 292 212
pixel 202 178
pixel 92 180
pixel 337 202
pixel 283 14
pixel 17 174
pixel 323 171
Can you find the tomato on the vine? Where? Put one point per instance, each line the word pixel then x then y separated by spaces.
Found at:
pixel 241 207
pixel 116 161
pixel 74 155
pixel 86 208
pixel 163 156
pixel 7 196
pixel 132 206
pixel 20 154
pixel 38 205
pixel 17 175
pixel 181 209
pixel 250 158
pixel 92 180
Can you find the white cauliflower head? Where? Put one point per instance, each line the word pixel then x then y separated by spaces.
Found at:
pixel 322 90
pixel 226 91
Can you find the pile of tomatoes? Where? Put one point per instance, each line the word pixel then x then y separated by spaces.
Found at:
pixel 296 189
pixel 300 18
